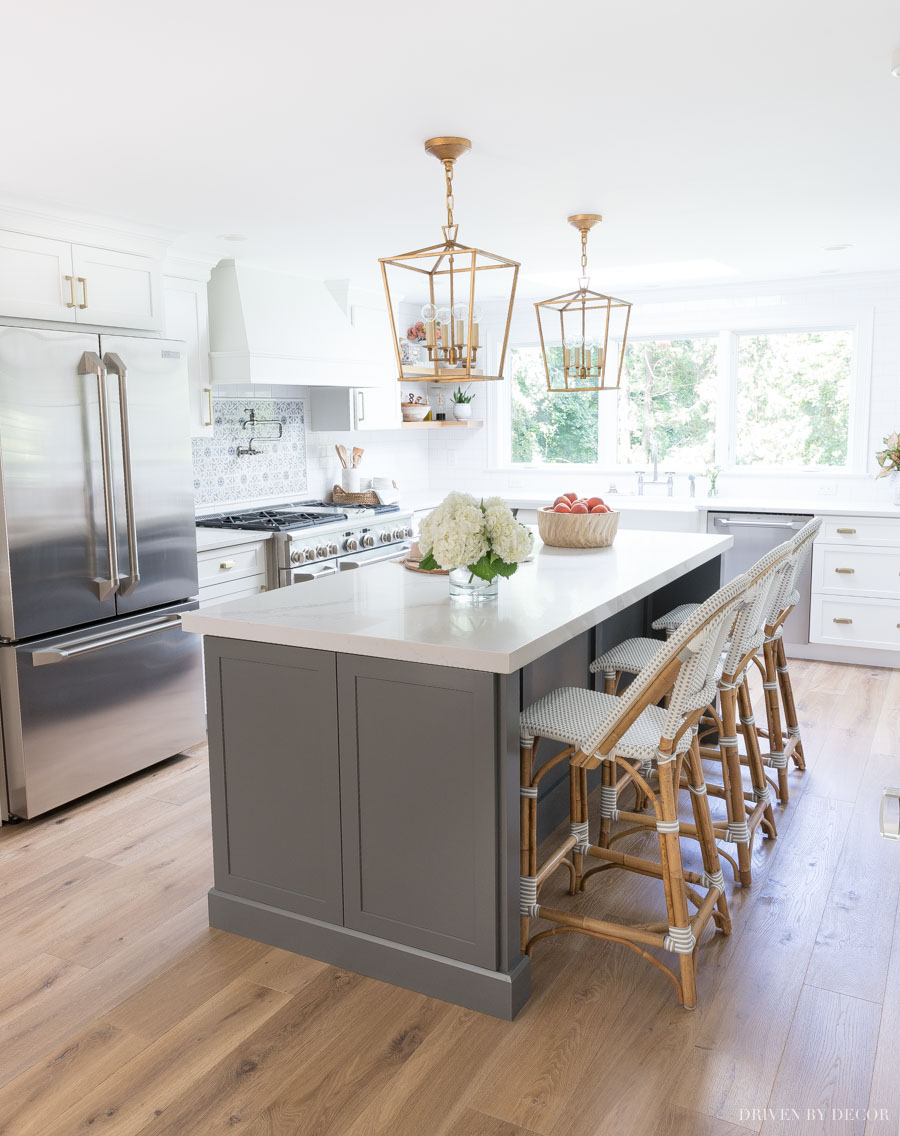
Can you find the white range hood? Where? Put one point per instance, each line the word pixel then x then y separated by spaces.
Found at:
pixel 276 328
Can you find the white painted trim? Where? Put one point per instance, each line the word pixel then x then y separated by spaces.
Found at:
pixel 81 228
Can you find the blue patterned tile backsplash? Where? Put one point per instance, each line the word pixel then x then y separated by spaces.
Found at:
pixel 279 470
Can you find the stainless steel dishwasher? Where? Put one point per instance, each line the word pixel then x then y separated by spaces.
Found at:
pixel 755 534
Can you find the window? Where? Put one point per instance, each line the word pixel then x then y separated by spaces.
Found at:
pixel 772 400
pixel 669 397
pixel 793 399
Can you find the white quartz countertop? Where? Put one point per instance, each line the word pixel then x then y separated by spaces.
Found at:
pixel 659 502
pixel 225 538
pixel 387 612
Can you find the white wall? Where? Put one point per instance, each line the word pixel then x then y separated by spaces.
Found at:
pixel 466 461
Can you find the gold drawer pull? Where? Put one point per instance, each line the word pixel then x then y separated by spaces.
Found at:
pixel 71 302
pixel 226 564
pixel 83 283
pixel 845 571
pixel 842 620
pixel 846 530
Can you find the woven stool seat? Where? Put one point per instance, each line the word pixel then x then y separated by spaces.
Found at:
pixel 673 619
pixel 572 715
pixel 631 656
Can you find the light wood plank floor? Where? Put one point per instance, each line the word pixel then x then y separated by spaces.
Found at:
pixel 121 1012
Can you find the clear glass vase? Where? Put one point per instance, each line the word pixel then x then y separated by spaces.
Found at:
pixel 466 588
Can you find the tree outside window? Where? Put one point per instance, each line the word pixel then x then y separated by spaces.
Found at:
pixel 670 398
pixel 793 399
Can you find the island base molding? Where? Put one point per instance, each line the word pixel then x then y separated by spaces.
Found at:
pixel 499 994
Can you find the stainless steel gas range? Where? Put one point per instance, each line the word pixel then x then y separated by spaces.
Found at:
pixel 313 539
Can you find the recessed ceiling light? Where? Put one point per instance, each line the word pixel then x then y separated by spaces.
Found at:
pixel 836 248
pixel 895 64
pixel 232 237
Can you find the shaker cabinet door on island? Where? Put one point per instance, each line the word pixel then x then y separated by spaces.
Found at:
pixel 274 776
pixel 418 806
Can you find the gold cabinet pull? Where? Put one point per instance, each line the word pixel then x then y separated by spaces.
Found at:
pixel 847 531
pixel 71 303
pixel 209 409
pixel 226 564
pixel 83 283
pixel 845 571
pixel 836 620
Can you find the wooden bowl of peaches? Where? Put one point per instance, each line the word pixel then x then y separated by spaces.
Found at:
pixel 577 522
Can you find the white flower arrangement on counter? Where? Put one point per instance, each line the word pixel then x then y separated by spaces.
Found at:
pixel 889 458
pixel 482 536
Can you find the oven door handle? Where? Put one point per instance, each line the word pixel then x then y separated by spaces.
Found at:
pixel 394 553
pixel 299 577
pixel 45 655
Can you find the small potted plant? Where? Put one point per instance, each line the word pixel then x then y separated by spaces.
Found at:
pixel 462 404
pixel 889 460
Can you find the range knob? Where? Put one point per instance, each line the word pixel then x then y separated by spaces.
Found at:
pixel 309 554
pixel 386 537
pixel 332 550
pixel 297 556
pixel 368 541
pixel 322 550
pixel 399 534
pixel 409 532
pixel 351 544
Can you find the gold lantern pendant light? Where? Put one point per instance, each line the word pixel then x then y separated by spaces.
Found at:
pixel 443 291
pixel 581 327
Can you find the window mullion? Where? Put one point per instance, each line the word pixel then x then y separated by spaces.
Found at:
pixel 726 416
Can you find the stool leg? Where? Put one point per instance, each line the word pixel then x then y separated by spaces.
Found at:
pixel 754 757
pixel 703 824
pixel 790 710
pixel 610 681
pixel 608 801
pixel 681 936
pixel 527 838
pixel 737 831
pixel 776 758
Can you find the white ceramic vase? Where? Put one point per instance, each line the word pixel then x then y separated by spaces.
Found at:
pixel 462 411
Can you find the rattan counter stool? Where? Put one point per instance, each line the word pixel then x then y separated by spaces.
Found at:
pixel 745 810
pixel 634 734
pixel 773 666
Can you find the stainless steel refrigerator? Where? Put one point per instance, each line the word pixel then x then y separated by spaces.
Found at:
pixel 97 561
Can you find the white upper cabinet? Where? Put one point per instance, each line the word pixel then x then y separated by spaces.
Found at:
pixel 187 318
pixel 36 278
pixel 42 278
pixel 117 289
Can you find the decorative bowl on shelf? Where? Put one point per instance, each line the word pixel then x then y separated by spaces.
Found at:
pixel 414 411
pixel 577 530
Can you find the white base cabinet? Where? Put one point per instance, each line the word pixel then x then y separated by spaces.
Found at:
pixel 855 600
pixel 232 571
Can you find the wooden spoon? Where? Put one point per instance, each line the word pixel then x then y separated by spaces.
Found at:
pixel 342 454
pixel 357 456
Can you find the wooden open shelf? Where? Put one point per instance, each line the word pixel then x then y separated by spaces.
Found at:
pixel 470 423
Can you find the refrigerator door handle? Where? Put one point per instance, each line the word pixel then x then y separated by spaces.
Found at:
pixel 46 655
pixel 92 365
pixel 127 584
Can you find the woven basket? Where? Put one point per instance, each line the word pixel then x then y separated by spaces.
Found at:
pixel 341 497
pixel 577 530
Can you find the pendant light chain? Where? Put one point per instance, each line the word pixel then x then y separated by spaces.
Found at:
pixel 448 166
pixel 584 237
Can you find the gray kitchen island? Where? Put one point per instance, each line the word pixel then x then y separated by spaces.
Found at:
pixel 364 753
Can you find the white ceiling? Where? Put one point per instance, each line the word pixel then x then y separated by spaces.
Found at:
pixel 746 135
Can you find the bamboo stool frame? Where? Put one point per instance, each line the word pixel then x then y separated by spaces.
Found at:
pixel 680 934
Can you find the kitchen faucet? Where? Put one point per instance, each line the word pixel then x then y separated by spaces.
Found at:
pixel 668 478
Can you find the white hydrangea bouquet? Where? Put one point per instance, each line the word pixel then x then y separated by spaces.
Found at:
pixel 483 537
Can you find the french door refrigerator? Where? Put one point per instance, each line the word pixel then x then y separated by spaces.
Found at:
pixel 97 561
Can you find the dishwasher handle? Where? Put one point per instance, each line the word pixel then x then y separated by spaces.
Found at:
pixel 46 655
pixel 727 522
